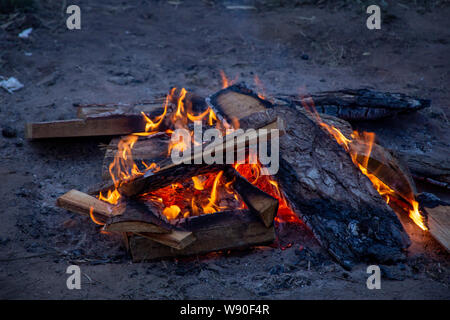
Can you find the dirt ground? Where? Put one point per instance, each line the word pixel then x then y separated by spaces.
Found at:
pixel 127 51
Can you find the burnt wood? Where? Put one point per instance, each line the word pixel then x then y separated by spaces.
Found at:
pixel 153 148
pixel 361 104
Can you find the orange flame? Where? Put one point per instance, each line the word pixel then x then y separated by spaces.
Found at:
pixel 91 214
pixel 225 81
pixel 171 212
pixel 252 172
pixel 176 200
pixel 198 184
pixel 261 91
pixel 211 207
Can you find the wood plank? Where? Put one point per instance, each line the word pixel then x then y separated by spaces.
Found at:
pixel 176 239
pixel 214 232
pixel 439 224
pixel 151 108
pixel 100 126
pixel 82 203
pixel 236 102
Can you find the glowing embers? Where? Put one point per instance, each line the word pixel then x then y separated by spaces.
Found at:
pixel 203 194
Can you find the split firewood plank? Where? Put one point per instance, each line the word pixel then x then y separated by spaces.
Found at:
pixel 82 203
pixel 175 239
pixel 236 102
pixel 97 126
pixel 214 232
pixel 332 196
pixel 438 219
pixel 361 104
pixel 256 200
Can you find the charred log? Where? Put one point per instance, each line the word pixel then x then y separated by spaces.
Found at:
pixel 362 104
pixel 334 198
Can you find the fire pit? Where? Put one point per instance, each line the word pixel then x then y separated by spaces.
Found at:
pixel 346 188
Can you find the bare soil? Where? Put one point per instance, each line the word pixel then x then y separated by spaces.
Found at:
pixel 127 51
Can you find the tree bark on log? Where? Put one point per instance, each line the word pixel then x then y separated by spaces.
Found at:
pixel 333 197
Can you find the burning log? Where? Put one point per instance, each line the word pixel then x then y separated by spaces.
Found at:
pixel 439 224
pixel 85 204
pixel 334 198
pixel 362 104
pixel 172 173
pixel 150 149
pixel 330 194
pixel 169 172
pixel 105 119
pixel 154 148
pixel 220 231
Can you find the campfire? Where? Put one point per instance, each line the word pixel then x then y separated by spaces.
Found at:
pixel 344 186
